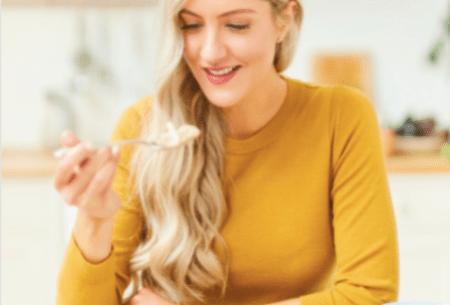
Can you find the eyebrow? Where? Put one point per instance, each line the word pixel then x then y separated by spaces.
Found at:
pixel 233 12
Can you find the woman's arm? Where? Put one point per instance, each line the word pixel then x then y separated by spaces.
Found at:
pixel 90 276
pixel 364 229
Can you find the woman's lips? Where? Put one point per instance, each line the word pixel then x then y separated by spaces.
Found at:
pixel 220 79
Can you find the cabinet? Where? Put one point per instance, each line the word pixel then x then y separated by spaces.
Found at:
pixel 422 209
pixel 32 241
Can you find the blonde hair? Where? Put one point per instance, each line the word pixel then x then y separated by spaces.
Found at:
pixel 180 191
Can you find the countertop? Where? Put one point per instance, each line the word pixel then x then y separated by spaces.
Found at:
pixel 28 163
pixel 41 163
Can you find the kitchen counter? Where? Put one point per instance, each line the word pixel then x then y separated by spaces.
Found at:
pixel 418 163
pixel 28 163
pixel 41 163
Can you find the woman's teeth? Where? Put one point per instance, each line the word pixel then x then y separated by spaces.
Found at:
pixel 223 72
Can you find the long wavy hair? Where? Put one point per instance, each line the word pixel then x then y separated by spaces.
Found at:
pixel 180 190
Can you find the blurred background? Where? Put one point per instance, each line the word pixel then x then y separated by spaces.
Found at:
pixel 77 64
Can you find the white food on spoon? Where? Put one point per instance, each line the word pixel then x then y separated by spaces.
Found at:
pixel 174 133
pixel 174 137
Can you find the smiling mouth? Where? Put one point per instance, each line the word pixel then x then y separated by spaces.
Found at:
pixel 221 75
pixel 223 71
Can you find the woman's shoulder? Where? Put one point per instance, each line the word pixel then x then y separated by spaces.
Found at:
pixel 129 124
pixel 336 97
pixel 140 107
pixel 333 92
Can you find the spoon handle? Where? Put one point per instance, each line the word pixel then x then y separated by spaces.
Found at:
pixel 62 151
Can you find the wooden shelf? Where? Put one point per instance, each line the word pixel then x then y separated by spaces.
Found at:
pixel 41 163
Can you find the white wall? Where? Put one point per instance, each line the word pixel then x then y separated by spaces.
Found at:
pixel 38 47
pixel 398 34
pixel 38 51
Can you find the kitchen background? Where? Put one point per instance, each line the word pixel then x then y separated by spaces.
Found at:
pixel 68 66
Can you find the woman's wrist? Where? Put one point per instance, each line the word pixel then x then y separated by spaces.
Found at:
pixel 93 237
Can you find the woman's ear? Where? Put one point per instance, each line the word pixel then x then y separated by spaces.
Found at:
pixel 288 17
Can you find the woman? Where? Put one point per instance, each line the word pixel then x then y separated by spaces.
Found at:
pixel 282 200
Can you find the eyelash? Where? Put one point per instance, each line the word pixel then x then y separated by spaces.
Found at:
pixel 237 27
pixel 190 26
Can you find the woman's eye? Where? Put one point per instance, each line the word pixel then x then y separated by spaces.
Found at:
pixel 191 26
pixel 239 26
pixel 194 26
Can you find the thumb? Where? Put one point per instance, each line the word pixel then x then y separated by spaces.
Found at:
pixel 68 139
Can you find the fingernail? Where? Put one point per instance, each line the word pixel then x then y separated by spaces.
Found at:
pixel 115 150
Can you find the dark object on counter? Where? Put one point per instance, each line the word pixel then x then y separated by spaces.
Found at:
pixel 447 135
pixel 418 128
pixel 428 126
pixel 419 136
pixel 410 128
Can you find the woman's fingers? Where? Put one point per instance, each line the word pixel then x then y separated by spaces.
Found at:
pixel 102 179
pixel 96 196
pixel 70 164
pixel 72 192
pixel 85 180
pixel 116 155
pixel 68 139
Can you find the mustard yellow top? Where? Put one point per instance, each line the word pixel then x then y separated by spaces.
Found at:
pixel 311 212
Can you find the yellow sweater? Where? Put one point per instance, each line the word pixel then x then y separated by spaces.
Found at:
pixel 311 212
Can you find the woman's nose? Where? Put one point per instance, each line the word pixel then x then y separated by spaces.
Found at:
pixel 213 49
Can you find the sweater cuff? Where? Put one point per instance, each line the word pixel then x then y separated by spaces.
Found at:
pixel 85 271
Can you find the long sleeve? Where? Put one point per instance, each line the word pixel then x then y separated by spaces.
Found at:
pixel 81 282
pixel 364 229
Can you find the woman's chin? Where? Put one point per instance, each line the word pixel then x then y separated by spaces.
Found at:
pixel 222 104
pixel 222 98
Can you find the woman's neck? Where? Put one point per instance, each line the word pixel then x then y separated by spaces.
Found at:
pixel 251 115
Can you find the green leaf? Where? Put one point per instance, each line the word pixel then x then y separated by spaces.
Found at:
pixel 446 150
pixel 434 54
pixel 447 25
pixel 433 57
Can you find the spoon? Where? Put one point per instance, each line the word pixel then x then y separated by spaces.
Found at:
pixel 170 139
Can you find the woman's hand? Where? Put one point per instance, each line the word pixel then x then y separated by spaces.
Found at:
pixel 85 180
pixel 146 296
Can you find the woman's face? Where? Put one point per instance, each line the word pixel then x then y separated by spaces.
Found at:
pixel 229 47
